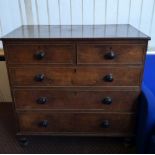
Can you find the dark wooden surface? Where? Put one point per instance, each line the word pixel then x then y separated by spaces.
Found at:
pixel 77 100
pixel 67 53
pixel 54 144
pixel 54 53
pixel 75 52
pixel 77 122
pixel 74 68
pixel 121 31
pixel 124 53
pixel 76 76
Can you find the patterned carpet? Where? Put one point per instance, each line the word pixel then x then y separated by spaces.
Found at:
pixel 62 145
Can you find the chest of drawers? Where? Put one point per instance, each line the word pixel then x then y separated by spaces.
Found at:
pixel 75 80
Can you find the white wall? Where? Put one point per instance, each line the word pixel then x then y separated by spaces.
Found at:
pixel 139 13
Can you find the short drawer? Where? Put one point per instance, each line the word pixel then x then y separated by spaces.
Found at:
pixel 108 101
pixel 82 76
pixel 40 53
pixel 77 122
pixel 110 54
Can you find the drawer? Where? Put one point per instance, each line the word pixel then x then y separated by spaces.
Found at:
pixel 72 76
pixel 110 54
pixel 76 122
pixel 40 53
pixel 107 101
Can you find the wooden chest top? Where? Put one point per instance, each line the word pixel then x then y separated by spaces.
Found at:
pixel 119 31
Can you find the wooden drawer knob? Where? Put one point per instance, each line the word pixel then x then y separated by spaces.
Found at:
pixel 42 100
pixel 39 55
pixel 105 124
pixel 108 78
pixel 107 100
pixel 43 123
pixel 39 77
pixel 110 55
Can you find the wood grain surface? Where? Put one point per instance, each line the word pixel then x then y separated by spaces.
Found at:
pixel 75 80
pixel 72 122
pixel 76 76
pixel 77 99
pixel 114 31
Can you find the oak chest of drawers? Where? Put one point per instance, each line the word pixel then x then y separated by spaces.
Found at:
pixel 75 80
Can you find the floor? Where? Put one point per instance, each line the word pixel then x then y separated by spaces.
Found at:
pixel 63 145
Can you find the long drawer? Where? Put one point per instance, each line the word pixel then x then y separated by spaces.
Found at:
pixel 77 122
pixel 108 101
pixel 110 53
pixel 76 76
pixel 41 53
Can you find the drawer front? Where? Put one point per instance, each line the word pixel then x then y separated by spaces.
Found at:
pixel 40 53
pixel 48 76
pixel 110 54
pixel 74 100
pixel 75 122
